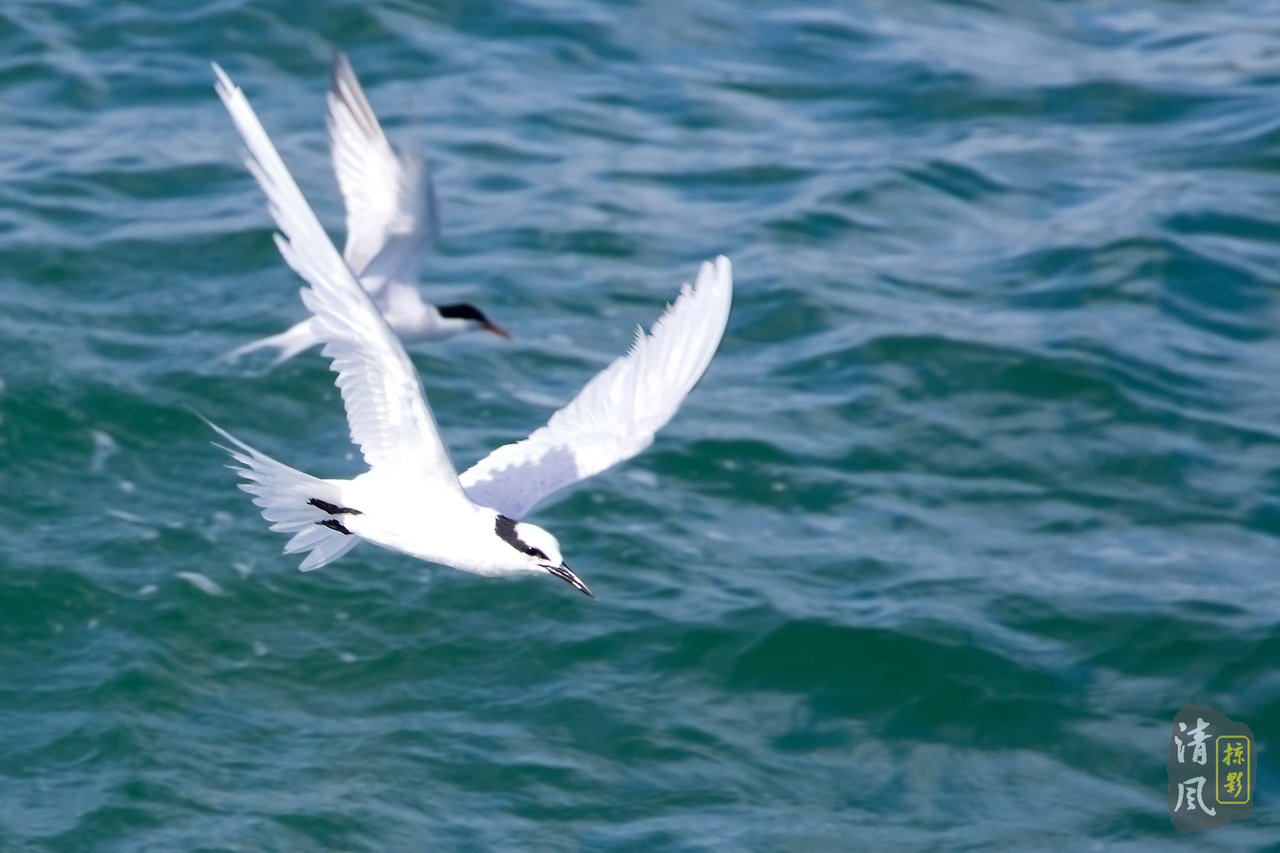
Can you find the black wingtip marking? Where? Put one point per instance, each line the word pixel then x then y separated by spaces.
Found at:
pixel 333 509
pixel 334 524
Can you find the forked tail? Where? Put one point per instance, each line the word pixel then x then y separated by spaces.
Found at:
pixel 296 503
pixel 290 342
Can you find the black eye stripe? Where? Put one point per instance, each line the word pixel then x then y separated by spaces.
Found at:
pixel 461 311
pixel 506 530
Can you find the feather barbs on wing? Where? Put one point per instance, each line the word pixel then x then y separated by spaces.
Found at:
pixel 616 414
pixel 390 203
pixel 387 411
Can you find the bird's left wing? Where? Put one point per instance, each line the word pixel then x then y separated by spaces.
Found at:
pixel 391 205
pixel 386 408
pixel 616 414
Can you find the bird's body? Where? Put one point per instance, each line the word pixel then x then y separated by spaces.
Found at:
pixel 392 217
pixel 415 521
pixel 412 499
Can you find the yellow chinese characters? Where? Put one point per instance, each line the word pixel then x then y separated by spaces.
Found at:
pixel 1232 770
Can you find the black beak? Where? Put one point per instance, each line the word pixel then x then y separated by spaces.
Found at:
pixel 562 571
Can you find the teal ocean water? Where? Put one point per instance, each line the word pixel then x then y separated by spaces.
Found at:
pixel 981 488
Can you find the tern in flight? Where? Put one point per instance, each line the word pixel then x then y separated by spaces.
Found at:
pixel 392 216
pixel 411 499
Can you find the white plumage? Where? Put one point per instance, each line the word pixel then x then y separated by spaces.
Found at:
pixel 411 499
pixel 392 218
pixel 616 414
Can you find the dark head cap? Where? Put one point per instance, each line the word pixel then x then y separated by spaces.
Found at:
pixel 466 311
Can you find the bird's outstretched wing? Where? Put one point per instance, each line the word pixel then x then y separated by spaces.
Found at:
pixel 616 414
pixel 391 205
pixel 386 408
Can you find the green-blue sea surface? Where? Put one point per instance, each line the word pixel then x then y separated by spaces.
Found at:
pixel 982 486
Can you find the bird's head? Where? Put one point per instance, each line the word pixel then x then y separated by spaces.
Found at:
pixel 471 318
pixel 539 551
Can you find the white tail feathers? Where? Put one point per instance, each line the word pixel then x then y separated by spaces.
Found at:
pixel 285 496
pixel 290 342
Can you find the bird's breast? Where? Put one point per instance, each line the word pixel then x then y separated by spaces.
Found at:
pixel 434 525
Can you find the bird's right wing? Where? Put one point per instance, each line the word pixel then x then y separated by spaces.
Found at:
pixel 386 407
pixel 391 205
pixel 616 414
